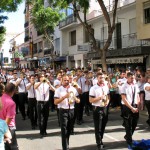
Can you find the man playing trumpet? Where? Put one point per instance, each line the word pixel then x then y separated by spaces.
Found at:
pixel 66 96
pixel 99 97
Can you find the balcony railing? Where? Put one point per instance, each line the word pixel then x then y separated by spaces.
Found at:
pixel 121 3
pixel 26 24
pixel 47 52
pixel 69 20
pixel 129 40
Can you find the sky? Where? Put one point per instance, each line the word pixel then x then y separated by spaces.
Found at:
pixel 14 25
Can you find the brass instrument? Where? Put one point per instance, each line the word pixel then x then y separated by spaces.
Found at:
pixel 104 99
pixel 71 98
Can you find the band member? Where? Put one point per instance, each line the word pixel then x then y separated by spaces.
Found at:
pixel 99 97
pixel 32 103
pixel 21 84
pixel 57 83
pixel 42 96
pixel 80 79
pixel 66 96
pixel 130 101
pixel 147 97
pixel 78 88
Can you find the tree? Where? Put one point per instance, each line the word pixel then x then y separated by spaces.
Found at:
pixel 84 4
pixel 6 6
pixel 45 20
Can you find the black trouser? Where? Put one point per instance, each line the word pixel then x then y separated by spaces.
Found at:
pixel 147 103
pixel 16 100
pixel 22 101
pixel 100 117
pixel 13 145
pixel 87 103
pixel 130 122
pixel 79 108
pixel 51 100
pixel 43 113
pixel 66 123
pixel 32 103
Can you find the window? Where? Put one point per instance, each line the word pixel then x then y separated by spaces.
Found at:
pixel 146 6
pixel 73 38
pixel 57 46
pixel 86 36
pixel 132 25
pixel 103 33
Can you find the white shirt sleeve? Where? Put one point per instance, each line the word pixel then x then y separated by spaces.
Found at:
pixel 92 93
pixel 57 91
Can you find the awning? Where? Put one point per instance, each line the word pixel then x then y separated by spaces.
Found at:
pixel 31 59
pixel 126 60
pixel 61 58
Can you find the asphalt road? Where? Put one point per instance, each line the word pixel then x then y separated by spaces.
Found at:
pixel 84 139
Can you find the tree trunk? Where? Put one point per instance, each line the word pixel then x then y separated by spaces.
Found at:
pixel 103 60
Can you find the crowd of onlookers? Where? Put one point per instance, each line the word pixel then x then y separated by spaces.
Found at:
pixel 37 87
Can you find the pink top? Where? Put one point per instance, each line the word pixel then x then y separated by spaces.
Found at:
pixel 8 109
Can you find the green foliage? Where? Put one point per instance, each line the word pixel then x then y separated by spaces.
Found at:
pixel 2 34
pixel 6 6
pixel 44 19
pixel 9 5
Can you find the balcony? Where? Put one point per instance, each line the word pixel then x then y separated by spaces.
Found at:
pixel 129 40
pixel 130 45
pixel 47 52
pixel 70 20
pixel 26 24
pixel 26 39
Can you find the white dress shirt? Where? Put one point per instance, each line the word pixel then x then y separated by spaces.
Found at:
pixel 22 85
pixel 42 92
pixel 147 93
pixel 98 91
pixel 129 90
pixel 31 91
pixel 62 91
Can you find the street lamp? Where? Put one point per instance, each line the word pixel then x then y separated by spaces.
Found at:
pixel 1 57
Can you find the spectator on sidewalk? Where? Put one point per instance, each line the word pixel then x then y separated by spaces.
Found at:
pixel 8 113
pixel 147 97
pixel 5 134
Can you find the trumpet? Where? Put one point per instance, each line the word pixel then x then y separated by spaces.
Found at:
pixel 71 98
pixel 74 84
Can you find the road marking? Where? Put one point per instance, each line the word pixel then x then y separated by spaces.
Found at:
pixel 105 134
pixel 110 137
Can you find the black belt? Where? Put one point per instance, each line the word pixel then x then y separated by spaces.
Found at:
pixel 42 102
pixel 66 109
pixel 97 107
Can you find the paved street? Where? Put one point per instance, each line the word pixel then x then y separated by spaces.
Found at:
pixel 84 139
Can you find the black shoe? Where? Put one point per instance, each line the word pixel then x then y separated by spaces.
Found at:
pixel 79 122
pixel 45 133
pixel 72 133
pixel 24 118
pixel 148 122
pixel 33 127
pixel 125 137
pixel 101 145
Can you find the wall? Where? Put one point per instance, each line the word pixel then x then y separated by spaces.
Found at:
pixel 143 29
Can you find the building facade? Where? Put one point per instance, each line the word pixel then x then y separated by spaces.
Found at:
pixel 143 22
